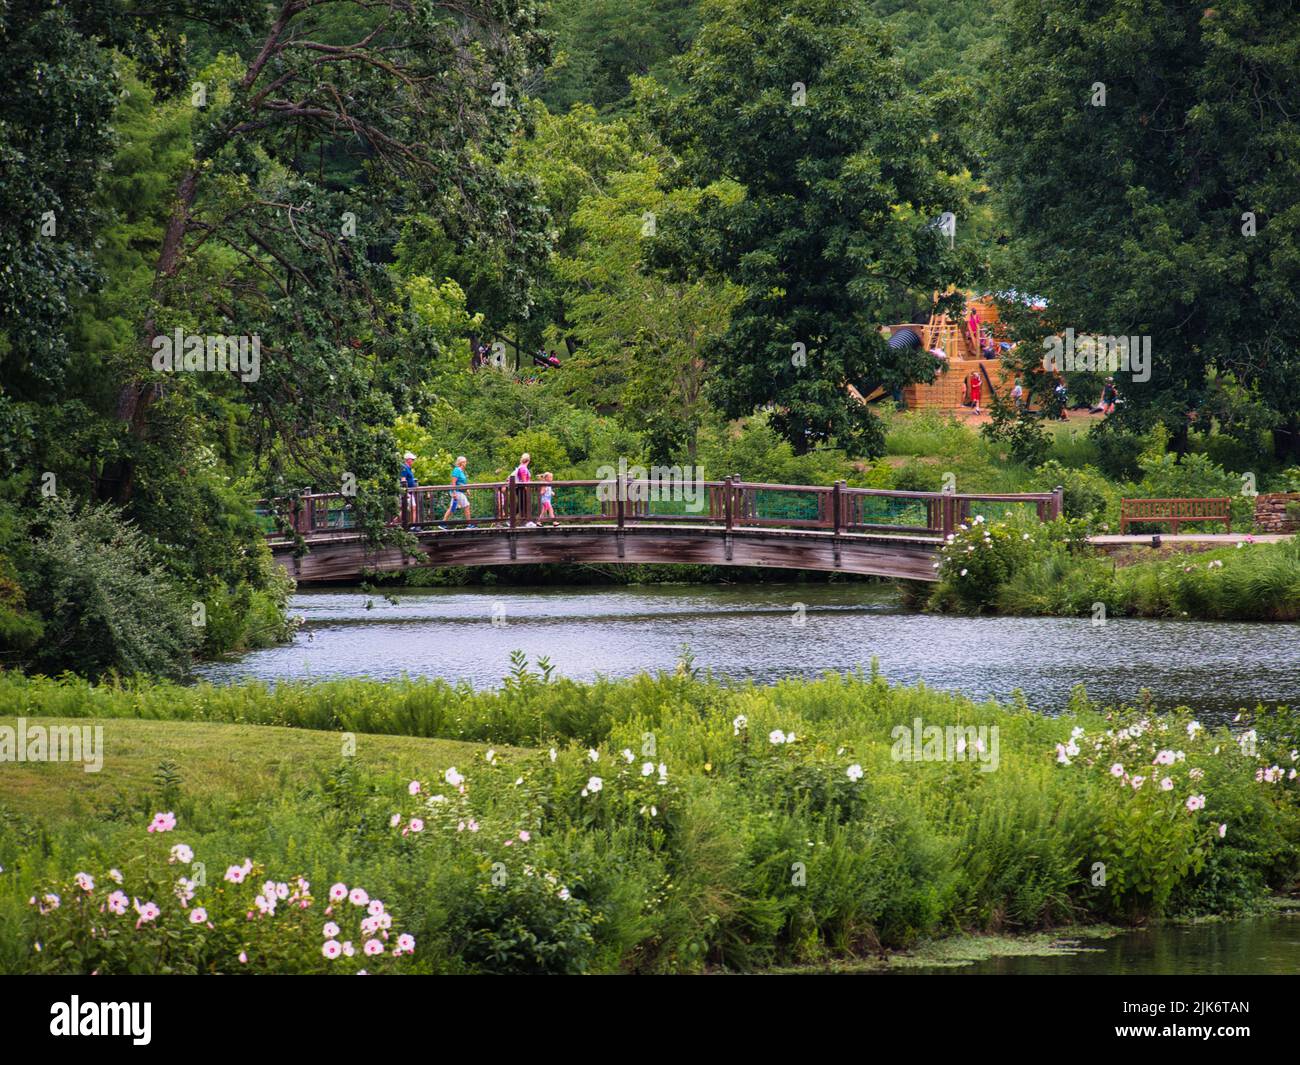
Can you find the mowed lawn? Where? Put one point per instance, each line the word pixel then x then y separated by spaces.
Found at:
pixel 213 761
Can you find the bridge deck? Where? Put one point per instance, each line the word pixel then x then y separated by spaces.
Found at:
pixel 349 556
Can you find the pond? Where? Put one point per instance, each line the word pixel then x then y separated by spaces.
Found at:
pixel 769 631
pixel 1268 945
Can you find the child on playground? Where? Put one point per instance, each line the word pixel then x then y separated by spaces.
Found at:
pixel 1108 396
pixel 547 495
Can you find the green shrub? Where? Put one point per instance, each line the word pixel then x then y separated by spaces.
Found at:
pixel 1022 432
pixel 247 616
pixel 1118 450
pixel 918 477
pixel 981 557
pixel 1087 494
pixel 1195 476
pixel 105 601
pixel 520 923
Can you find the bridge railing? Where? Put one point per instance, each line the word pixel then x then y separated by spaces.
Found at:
pixel 730 503
pixel 872 510
pixel 310 514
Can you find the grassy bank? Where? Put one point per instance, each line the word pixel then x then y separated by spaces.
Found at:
pixel 657 824
pixel 1021 567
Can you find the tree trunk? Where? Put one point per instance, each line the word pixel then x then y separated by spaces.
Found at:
pixel 1286 440
pixel 1180 440
pixel 136 396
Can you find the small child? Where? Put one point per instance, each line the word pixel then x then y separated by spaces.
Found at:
pixel 548 494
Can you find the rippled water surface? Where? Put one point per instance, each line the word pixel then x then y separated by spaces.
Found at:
pixel 765 632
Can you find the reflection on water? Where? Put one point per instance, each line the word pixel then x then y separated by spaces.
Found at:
pixel 1267 946
pixel 765 632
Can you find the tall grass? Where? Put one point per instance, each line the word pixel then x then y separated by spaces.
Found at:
pixel 927 432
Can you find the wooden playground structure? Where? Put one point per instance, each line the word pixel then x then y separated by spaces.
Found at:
pixel 950 389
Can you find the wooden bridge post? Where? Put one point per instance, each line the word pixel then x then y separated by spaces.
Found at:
pixel 729 514
pixel 837 517
pixel 948 510
pixel 512 510
pixel 1058 501
pixel 620 513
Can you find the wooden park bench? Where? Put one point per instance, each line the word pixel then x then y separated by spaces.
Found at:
pixel 1174 511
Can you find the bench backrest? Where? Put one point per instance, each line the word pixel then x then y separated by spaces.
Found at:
pixel 1218 507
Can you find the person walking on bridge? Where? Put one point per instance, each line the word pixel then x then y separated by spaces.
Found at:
pixel 459 495
pixel 408 483
pixel 522 477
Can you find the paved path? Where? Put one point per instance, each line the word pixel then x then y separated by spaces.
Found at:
pixel 1170 539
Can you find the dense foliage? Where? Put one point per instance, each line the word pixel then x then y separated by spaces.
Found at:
pixel 1026 567
pixel 1146 158
pixel 845 171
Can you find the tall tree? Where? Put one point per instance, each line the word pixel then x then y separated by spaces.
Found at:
pixel 600 45
pixel 56 101
pixel 844 171
pixel 1148 155
pixel 652 337
pixel 424 97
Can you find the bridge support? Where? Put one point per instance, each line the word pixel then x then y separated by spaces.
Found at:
pixel 346 558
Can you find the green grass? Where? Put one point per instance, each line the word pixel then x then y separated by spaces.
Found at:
pixel 215 762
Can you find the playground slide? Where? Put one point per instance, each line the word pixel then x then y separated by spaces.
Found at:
pixel 900 341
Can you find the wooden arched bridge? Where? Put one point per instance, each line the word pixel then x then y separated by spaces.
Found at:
pixel 655 520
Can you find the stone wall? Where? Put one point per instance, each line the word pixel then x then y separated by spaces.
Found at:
pixel 1271 512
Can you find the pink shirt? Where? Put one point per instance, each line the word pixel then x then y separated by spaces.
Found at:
pixel 521 474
